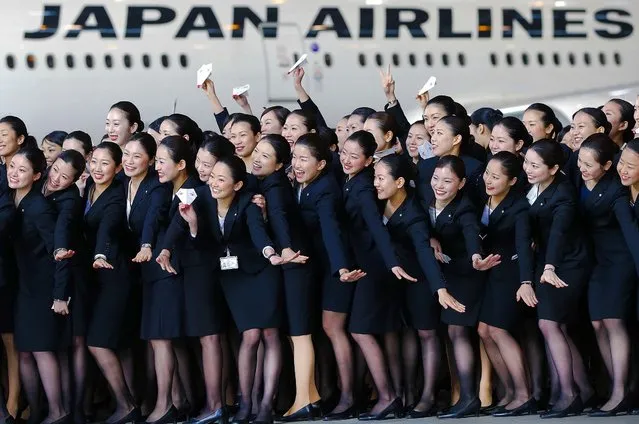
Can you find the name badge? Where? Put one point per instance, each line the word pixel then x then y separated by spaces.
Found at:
pixel 228 262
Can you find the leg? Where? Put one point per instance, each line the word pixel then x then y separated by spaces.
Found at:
pixel 185 396
pixel 374 357
pixel 49 370
pixel 409 356
pixel 212 364
pixel 392 349
pixel 31 383
pixel 562 358
pixel 111 368
pixel 164 369
pixel 126 361
pixel 13 374
pixel 65 379
pixel 485 381
pixel 498 363
pixel 601 333
pixel 80 360
pixel 464 361
pixel 247 362
pixel 304 363
pixel 579 373
pixel 272 369
pixel 452 371
pixel 150 390
pixel 258 382
pixel 431 352
pixel 534 351
pixel 334 324
pixel 618 336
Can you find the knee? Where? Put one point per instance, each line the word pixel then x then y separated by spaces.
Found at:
pixel 210 342
pixel 24 356
pixel 251 337
pixel 598 326
pixel 271 336
pixel 484 331
pixel 331 327
pixel 455 332
pixel 547 327
pixel 427 336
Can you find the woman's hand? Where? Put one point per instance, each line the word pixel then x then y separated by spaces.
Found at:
pixel 209 89
pixel 164 260
pixel 62 254
pixel 549 276
pixel 448 301
pixel 422 99
pixel 527 294
pixel 144 255
pixel 437 250
pixel 487 263
pixel 347 276
pixel 388 84
pixel 242 101
pixel 260 201
pixel 60 307
pixel 401 274
pixel 298 76
pixel 101 264
pixel 188 213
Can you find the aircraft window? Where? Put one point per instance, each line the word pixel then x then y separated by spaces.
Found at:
pixel 296 57
pixel 525 59
pixel 395 59
pixel 146 60
pixel 493 59
pixel 429 59
pixel 50 61
pixel 165 60
pixel 445 59
pixel 11 62
pixel 602 58
pixel 328 60
pixel 379 60
pixel 70 61
pixel 540 59
pixel 31 61
pixel 127 61
pixel 461 58
pixel 556 59
pixel 509 59
pixel 571 59
pixel 411 59
pixel 108 61
pixel 89 61
pixel 184 61
pixel 587 58
pixel 362 59
pixel 617 58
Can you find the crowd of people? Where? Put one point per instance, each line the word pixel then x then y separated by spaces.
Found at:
pixel 284 270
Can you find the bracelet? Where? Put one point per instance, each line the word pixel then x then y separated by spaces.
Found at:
pixel 549 268
pixel 271 255
pixel 145 246
pixel 99 256
pixel 528 283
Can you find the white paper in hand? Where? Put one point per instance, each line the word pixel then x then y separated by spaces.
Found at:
pixel 186 195
pixel 204 73
pixel 238 91
pixel 299 63
pixel 428 86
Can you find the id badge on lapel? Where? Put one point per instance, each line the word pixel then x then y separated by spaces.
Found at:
pixel 228 262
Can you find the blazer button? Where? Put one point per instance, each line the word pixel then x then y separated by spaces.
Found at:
pixel 599 194
pixel 541 204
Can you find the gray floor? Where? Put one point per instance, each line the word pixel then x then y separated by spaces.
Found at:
pixel 519 420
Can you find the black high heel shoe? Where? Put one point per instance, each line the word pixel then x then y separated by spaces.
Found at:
pixel 171 416
pixel 219 416
pixel 528 408
pixel 621 408
pixel 460 411
pixel 575 408
pixel 303 414
pixel 349 413
pixel 430 412
pixel 8 420
pixel 131 418
pixel 391 410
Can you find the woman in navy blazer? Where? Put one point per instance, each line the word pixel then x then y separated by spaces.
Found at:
pixel 229 220
pixel 506 233
pixel 41 306
pixel 561 269
pixel 320 204
pixel 285 221
pixel 7 262
pixel 62 192
pixel 105 234
pixel 608 222
pixel 407 225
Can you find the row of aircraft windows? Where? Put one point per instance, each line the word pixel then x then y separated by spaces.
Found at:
pixel 91 61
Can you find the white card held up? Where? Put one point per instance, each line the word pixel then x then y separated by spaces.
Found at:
pixel 186 195
pixel 302 60
pixel 204 73
pixel 238 91
pixel 428 86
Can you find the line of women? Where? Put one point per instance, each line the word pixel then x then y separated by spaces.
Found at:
pixel 379 250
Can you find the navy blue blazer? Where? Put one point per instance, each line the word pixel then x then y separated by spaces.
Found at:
pixel 320 203
pixel 508 235
pixel 149 210
pixel 310 107
pixel 8 272
pixel 35 228
pixel 555 226
pixel 68 229
pixel 367 235
pixel 244 235
pixel 409 234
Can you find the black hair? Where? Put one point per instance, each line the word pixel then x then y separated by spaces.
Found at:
pixel 627 110
pixel 362 112
pixel 318 147
pixel 385 122
pixel 19 127
pixel 486 116
pixel 36 157
pixel 461 111
pixel 83 138
pixel 599 119
pixel 455 163
pixel 515 129
pixel 550 153
pixel 280 146
pixel 308 119
pixel 633 145
pixel 186 126
pixel 280 112
pixel 218 146
pixel 76 160
pixel 179 149
pixel 445 102
pixel 147 142
pixel 399 166
pixel 230 119
pixel 237 167
pixel 328 135
pixel 458 126
pixel 603 147
pixel 366 142
pixel 155 125
pixel 114 151
pixel 56 137
pixel 565 130
pixel 510 163
pixel 251 120
pixel 345 117
pixel 548 118
pixel 131 112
